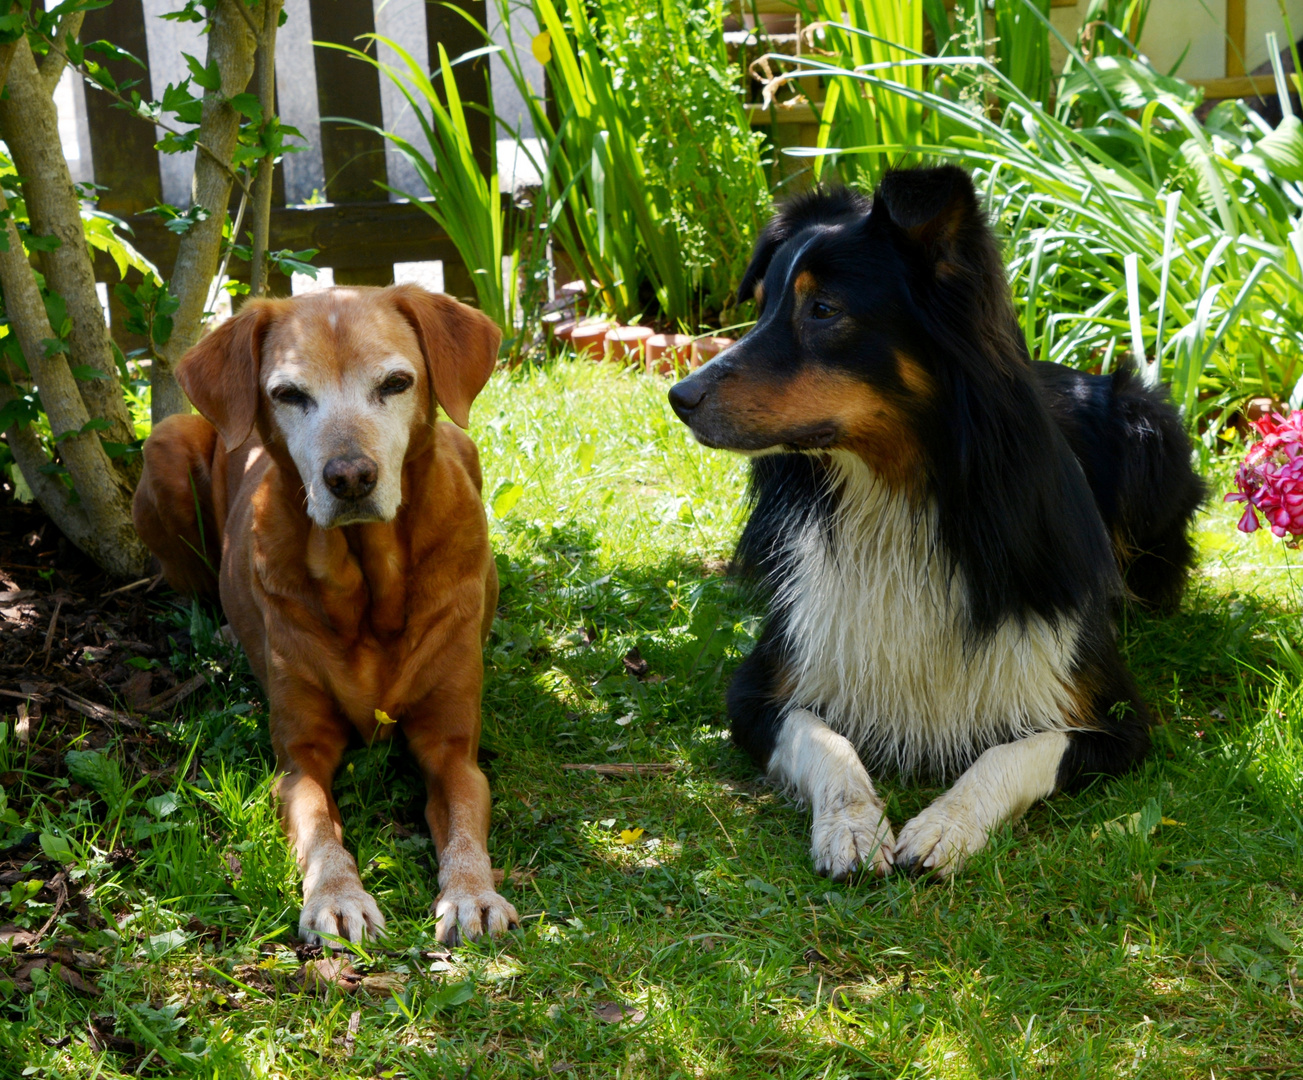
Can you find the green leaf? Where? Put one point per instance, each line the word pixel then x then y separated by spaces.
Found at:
pixel 163 805
pixel 159 945
pixel 85 372
pixel 210 78
pixel 506 496
pixel 113 52
pixel 99 772
pixel 584 456
pixel 1132 84
pixel 41 243
pixel 248 106
pixel 57 848
pixel 447 997
pixel 1280 153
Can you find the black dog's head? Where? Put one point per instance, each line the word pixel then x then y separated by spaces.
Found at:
pixel 857 301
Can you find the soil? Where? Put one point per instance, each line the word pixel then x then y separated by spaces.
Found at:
pixel 83 662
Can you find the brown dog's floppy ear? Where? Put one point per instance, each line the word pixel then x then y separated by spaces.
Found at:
pixel 220 374
pixel 932 207
pixel 459 343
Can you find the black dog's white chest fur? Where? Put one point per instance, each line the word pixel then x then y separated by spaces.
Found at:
pixel 879 643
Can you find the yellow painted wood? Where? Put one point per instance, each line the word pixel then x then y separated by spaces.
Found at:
pixel 1235 20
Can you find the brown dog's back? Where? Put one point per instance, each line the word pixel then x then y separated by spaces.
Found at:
pixel 174 510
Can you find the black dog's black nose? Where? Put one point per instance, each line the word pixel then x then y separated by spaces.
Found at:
pixel 686 396
pixel 350 477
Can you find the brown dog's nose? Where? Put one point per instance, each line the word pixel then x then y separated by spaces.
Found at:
pixel 350 477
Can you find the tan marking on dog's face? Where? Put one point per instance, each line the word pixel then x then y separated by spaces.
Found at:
pixel 344 377
pixel 759 294
pixel 804 284
pixel 827 409
pixel 917 381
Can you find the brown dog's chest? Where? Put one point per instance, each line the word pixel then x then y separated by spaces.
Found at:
pixel 377 617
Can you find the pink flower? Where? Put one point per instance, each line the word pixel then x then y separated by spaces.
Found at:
pixel 1271 478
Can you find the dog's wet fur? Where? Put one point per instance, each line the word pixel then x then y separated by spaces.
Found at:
pixel 946 528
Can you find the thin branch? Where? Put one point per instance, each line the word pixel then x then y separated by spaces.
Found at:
pixel 52 68
pixel 248 19
pixel 131 108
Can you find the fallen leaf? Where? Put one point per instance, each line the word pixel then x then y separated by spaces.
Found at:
pixel 234 865
pixel 384 983
pixel 17 937
pixel 330 972
pixel 630 836
pixel 520 875
pixel 613 1012
pixel 635 665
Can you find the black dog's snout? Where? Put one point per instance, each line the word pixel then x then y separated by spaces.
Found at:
pixel 686 396
pixel 350 477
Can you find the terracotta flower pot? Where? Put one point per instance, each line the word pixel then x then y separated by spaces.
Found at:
pixel 625 344
pixel 589 338
pixel 1259 407
pixel 559 324
pixel 668 352
pixel 575 294
pixel 704 349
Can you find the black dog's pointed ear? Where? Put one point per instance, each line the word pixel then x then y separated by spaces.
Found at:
pixel 933 208
pixel 770 241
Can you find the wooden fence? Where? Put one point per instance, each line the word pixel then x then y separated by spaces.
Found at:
pixel 358 233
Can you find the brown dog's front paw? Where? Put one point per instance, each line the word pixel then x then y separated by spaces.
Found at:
pixel 464 915
pixel 339 910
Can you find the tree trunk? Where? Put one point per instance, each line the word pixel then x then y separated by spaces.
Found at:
pixel 30 124
pixel 231 44
pixel 99 522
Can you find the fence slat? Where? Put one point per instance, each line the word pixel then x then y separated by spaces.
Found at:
pixel 353 159
pixel 122 146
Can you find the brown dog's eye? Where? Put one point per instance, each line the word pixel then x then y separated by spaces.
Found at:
pixel 820 310
pixel 395 384
pixel 290 395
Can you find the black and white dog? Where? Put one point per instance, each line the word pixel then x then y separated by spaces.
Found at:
pixel 946 527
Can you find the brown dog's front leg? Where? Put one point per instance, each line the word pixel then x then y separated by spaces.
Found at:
pixel 308 750
pixel 458 812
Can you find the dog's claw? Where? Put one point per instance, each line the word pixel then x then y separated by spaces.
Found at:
pixel 853 838
pixel 464 915
pixel 340 912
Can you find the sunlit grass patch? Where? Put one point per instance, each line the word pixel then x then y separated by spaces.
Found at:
pixel 1068 949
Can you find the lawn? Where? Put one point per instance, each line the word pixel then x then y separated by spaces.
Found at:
pixel 671 922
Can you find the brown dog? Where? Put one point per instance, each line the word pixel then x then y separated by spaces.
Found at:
pixel 355 561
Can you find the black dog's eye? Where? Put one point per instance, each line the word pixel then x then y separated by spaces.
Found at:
pixel 820 310
pixel 291 395
pixel 395 384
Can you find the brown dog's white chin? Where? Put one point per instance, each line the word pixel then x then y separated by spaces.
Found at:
pixel 354 515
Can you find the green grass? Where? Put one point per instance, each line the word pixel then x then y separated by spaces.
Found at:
pixel 1066 950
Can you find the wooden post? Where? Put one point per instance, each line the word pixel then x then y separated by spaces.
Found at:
pixel 353 159
pixel 446 27
pixel 1235 31
pixel 122 146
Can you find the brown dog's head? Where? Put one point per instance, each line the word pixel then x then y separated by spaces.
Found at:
pixel 342 379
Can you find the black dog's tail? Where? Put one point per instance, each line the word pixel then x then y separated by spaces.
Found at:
pixel 1136 455
pixel 1158 493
